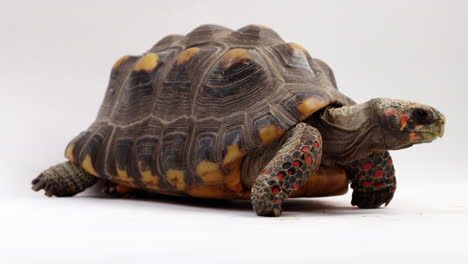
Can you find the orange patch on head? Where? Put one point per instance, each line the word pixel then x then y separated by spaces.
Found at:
pixel 309 106
pixel 235 56
pixel 147 62
pixel 210 172
pixel 269 133
pixel 186 55
pixel 120 61
pixel 414 137
pixel 404 121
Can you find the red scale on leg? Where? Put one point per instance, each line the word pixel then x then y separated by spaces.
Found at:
pixel 275 190
pixel 308 159
pixel 378 174
pixel 367 184
pixel 305 149
pixel 367 166
pixel 280 175
pixel 378 185
pixel 297 163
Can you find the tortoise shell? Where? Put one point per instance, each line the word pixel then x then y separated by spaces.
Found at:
pixel 180 118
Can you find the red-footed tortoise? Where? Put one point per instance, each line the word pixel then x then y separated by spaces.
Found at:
pixel 236 115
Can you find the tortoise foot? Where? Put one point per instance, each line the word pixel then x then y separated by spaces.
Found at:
pixel 64 179
pixel 370 200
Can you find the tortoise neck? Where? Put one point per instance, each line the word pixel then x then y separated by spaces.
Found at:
pixel 348 132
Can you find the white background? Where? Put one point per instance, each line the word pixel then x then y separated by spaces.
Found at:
pixel 55 60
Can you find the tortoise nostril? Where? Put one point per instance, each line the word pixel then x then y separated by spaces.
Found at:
pixel 421 115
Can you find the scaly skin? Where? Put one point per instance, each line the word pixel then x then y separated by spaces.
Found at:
pixel 297 159
pixel 64 179
pixel 373 180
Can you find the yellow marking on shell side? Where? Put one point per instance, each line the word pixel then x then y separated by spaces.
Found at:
pixel 269 133
pixel 148 178
pixel 120 61
pixel 88 166
pixel 235 56
pixel 297 47
pixel 147 62
pixel 176 178
pixel 232 179
pixel 233 154
pixel 261 26
pixel 210 172
pixel 186 55
pixel 69 152
pixel 309 106
pixel 122 175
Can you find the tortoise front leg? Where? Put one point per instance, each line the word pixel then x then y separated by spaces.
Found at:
pixel 373 180
pixel 64 179
pixel 297 159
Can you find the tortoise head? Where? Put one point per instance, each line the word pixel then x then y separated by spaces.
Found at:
pixel 406 123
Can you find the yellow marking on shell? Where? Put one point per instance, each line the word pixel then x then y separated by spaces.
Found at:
pixel 232 179
pixel 210 172
pixel 88 166
pixel 186 55
pixel 261 26
pixel 176 178
pixel 122 175
pixel 69 152
pixel 233 154
pixel 119 62
pixel 309 106
pixel 269 133
pixel 235 56
pixel 297 47
pixel 148 178
pixel 147 62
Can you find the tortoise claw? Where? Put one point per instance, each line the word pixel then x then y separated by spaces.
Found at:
pixel 38 184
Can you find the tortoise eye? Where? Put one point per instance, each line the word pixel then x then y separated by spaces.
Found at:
pixel 421 116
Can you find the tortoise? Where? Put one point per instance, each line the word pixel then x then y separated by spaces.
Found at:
pixel 239 114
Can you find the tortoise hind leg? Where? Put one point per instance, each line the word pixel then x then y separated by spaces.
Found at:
pixel 298 157
pixel 373 180
pixel 120 190
pixel 64 179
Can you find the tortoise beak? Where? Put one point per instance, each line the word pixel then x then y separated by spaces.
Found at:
pixel 440 123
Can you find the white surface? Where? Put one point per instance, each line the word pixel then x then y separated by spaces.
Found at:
pixel 424 224
pixel 55 59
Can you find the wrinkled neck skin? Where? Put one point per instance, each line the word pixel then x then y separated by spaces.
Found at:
pixel 348 133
